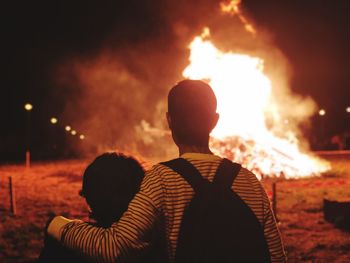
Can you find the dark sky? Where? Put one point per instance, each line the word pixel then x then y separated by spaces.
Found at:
pixel 315 37
pixel 39 35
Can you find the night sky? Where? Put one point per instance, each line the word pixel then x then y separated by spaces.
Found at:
pixel 38 37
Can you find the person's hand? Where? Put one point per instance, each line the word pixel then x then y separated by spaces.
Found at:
pixel 55 226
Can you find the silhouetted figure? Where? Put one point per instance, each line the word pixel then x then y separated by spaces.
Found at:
pixel 167 195
pixel 109 184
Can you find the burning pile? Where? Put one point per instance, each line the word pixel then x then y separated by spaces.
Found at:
pixel 245 106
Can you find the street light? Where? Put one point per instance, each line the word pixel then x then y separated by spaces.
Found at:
pixel 68 128
pixel 28 107
pixel 348 109
pixel 82 137
pixel 322 112
pixel 73 132
pixel 55 131
pixel 53 120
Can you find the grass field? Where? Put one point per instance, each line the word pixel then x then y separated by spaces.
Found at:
pixel 49 188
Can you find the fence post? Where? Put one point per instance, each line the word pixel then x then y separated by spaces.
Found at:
pixel 274 200
pixel 13 207
pixel 27 159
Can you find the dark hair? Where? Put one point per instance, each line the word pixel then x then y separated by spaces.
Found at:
pixel 109 184
pixel 192 107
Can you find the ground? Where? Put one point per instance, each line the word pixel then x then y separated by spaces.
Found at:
pixel 48 188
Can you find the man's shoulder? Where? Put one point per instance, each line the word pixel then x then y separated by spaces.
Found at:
pixel 163 168
pixel 194 159
pixel 244 172
pixel 158 169
pixel 247 182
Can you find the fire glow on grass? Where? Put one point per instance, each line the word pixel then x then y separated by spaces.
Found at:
pixel 244 96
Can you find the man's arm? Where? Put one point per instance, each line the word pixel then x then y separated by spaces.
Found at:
pixel 123 237
pixel 272 234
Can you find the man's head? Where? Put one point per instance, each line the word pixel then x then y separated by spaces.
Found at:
pixel 109 184
pixel 191 112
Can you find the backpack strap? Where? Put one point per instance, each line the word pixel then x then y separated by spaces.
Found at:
pixel 188 172
pixel 226 173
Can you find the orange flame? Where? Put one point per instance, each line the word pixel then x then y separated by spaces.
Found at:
pixel 244 96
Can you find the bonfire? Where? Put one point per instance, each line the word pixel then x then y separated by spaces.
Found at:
pixel 244 132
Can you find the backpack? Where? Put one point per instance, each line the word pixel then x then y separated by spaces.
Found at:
pixel 217 225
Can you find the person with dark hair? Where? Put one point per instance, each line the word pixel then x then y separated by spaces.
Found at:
pixel 109 184
pixel 182 194
pixel 192 113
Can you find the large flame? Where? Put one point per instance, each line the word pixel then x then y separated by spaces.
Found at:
pixel 244 97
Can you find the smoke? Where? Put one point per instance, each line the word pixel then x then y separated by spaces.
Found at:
pixel 120 89
pixel 115 98
pixel 292 117
pixel 118 92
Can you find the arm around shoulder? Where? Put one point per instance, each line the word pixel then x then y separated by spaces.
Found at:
pixel 123 238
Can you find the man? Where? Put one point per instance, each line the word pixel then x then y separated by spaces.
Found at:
pixel 164 194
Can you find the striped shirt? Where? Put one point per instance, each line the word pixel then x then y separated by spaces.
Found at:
pixel 165 194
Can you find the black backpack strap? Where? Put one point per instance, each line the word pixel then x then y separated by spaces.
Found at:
pixel 188 172
pixel 226 173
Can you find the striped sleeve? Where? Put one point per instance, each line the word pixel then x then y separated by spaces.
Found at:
pixel 272 234
pixel 123 238
pixel 250 189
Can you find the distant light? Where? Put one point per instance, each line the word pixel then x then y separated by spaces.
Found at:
pixel 53 120
pixel 348 109
pixel 68 128
pixel 73 132
pixel 322 112
pixel 82 137
pixel 28 107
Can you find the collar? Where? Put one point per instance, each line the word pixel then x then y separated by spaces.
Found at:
pixel 200 156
